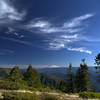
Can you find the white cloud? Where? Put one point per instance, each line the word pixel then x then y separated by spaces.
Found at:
pixel 8 12
pixel 76 22
pixel 46 66
pixel 75 36
pixel 80 50
pixel 10 30
pixel 72 26
pixel 62 41
pixel 56 46
pixel 63 34
pixel 54 66
pixel 38 24
pixel 21 36
pixel 14 32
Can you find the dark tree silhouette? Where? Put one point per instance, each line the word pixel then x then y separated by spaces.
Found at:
pixel 70 80
pixel 82 81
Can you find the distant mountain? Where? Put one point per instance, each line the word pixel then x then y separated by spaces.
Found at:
pixel 60 73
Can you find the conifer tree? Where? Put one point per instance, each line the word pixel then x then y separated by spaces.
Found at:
pixel 82 81
pixel 61 85
pixel 32 77
pixel 97 62
pixel 70 80
pixel 15 74
pixel 97 59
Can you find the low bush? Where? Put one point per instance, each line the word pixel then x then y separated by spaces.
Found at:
pixel 44 90
pixel 89 95
pixel 28 96
pixel 8 85
pixel 49 97
pixel 20 96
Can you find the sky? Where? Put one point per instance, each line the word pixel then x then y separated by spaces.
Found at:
pixel 49 33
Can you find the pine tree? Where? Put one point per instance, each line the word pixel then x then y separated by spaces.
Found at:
pixel 61 85
pixel 70 80
pixel 32 77
pixel 15 74
pixel 97 67
pixel 97 59
pixel 82 81
pixel 97 62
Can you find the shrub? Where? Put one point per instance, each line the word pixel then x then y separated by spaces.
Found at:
pixel 49 97
pixel 44 90
pixel 8 85
pixel 19 96
pixel 28 96
pixel 89 95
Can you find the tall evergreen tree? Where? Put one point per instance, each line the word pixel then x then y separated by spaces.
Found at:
pixel 97 67
pixel 15 74
pixel 61 85
pixel 97 62
pixel 97 59
pixel 82 81
pixel 70 80
pixel 32 77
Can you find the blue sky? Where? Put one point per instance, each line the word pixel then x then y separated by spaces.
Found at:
pixel 49 32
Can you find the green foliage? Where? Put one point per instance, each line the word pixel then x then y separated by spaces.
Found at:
pixel 97 62
pixel 82 81
pixel 89 95
pixel 48 80
pixel 16 80
pixel 4 73
pixel 49 97
pixel 28 96
pixel 61 85
pixel 20 96
pixel 9 85
pixel 70 80
pixel 32 77
pixel 97 59
pixel 15 74
pixel 44 89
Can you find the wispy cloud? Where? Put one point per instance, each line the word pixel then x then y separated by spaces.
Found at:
pixel 17 41
pixel 14 32
pixel 57 36
pixel 38 24
pixel 72 26
pixel 6 51
pixel 55 46
pixel 80 50
pixel 75 36
pixel 8 13
pixel 77 22
pixel 41 26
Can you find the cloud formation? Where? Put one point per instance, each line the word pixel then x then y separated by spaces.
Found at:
pixel 72 26
pixel 8 13
pixel 77 22
pixel 54 36
pixel 80 50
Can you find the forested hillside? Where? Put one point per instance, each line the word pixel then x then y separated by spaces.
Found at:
pixel 50 76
